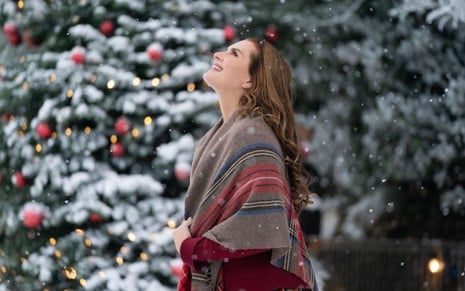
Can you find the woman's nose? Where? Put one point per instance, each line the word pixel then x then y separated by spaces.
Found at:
pixel 217 56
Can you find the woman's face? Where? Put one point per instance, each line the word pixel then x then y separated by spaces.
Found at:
pixel 230 69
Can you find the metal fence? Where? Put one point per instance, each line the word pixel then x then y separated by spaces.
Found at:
pixel 393 265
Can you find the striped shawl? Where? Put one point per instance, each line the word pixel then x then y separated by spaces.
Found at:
pixel 239 197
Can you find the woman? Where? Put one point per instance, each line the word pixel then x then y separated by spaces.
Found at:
pixel 246 186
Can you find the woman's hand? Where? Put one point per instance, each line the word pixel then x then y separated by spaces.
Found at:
pixel 181 233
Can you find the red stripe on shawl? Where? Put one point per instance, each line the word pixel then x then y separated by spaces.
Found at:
pixel 217 212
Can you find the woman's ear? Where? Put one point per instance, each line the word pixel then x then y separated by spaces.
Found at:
pixel 246 85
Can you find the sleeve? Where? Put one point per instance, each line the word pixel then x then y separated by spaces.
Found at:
pixel 195 252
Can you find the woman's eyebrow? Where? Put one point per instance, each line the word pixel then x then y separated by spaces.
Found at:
pixel 236 50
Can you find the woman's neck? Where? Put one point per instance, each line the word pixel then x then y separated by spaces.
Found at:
pixel 228 105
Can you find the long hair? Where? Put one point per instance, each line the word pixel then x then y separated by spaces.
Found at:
pixel 270 96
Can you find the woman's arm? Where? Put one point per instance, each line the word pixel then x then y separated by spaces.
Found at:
pixel 195 252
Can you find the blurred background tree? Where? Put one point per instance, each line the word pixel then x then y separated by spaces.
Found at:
pixel 380 86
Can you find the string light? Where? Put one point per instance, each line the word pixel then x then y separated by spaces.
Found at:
pixel 79 231
pixel 113 139
pixel 132 237
pixel 38 147
pixel 25 85
pixel 57 253
pixel 22 59
pixel 3 269
pixel 24 126
pixel 82 282
pixel 148 120
pixel 119 261
pixel 190 87
pixel 144 256
pixel 435 265
pixel 87 130
pixel 136 82
pixel 102 274
pixel 69 93
pixel 165 77
pixel 20 4
pixel 88 242
pixel 70 273
pixel 53 77
pixel 111 84
pixel 68 131
pixel 52 241
pixel 171 223
pixel 155 82
pixel 135 132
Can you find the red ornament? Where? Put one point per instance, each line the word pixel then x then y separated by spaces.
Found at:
pixel 107 28
pixel 14 39
pixel 176 269
pixel 43 130
pixel 19 180
pixel 78 55
pixel 10 28
pixel 12 34
pixel 94 217
pixel 229 33
pixel 271 33
pixel 182 172
pixel 155 51
pixel 117 149
pixel 122 125
pixel 30 39
pixel 6 116
pixel 33 215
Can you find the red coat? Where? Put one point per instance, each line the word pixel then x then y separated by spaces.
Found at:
pixel 245 270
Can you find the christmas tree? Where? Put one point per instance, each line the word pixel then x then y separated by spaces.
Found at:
pixel 101 103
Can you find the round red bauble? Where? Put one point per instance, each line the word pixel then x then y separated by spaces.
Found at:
pixel 14 39
pixel 117 149
pixel 107 27
pixel 155 51
pixel 6 116
pixel 33 215
pixel 229 33
pixel 122 125
pixel 78 55
pixel 271 33
pixel 43 130
pixel 182 172
pixel 10 28
pixel 94 217
pixel 30 40
pixel 176 269
pixel 19 180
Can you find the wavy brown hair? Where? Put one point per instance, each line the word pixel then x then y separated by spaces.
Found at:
pixel 270 96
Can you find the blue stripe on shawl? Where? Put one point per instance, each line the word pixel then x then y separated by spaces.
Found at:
pixel 259 211
pixel 243 150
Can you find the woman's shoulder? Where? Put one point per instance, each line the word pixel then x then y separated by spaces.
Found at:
pixel 252 130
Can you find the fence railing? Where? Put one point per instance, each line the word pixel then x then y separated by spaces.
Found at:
pixel 393 265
